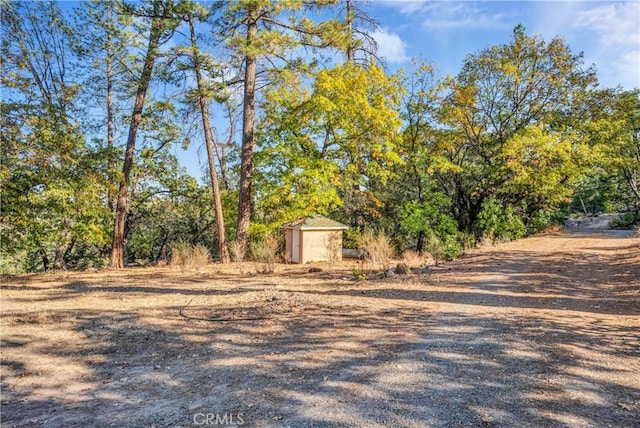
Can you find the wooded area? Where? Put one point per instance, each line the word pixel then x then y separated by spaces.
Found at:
pixel 95 100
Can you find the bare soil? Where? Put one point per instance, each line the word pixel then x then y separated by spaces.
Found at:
pixel 540 332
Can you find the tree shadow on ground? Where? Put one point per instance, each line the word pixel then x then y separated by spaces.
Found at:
pixel 480 353
pixel 390 368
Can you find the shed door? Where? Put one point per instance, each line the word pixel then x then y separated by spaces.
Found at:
pixel 295 246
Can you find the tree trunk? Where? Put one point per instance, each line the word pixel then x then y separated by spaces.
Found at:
pixel 110 120
pixel 584 208
pixel 350 47
pixel 222 153
pixel 122 205
pixel 61 248
pixel 630 177
pixel 248 142
pixel 420 243
pixel 58 261
pixel 43 256
pixel 209 141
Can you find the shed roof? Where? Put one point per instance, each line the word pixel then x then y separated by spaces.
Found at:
pixel 318 222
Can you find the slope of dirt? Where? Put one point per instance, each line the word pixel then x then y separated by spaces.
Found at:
pixel 540 332
pixel 590 223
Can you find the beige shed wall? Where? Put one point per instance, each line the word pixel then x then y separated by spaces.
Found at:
pixel 317 245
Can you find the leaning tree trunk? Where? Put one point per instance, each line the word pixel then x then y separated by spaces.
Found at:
pixel 122 204
pixel 248 142
pixel 209 141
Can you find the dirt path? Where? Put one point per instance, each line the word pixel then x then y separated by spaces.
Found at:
pixel 539 332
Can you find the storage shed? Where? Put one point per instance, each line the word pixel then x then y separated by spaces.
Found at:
pixel 313 239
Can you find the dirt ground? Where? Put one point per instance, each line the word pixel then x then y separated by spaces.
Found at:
pixel 540 332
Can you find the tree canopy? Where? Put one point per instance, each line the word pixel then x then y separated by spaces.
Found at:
pixel 520 138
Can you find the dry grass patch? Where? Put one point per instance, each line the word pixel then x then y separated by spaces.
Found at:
pixel 189 256
pixel 238 251
pixel 414 259
pixel 265 253
pixel 379 250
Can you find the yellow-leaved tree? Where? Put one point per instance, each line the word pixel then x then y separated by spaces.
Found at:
pixel 332 145
pixel 509 137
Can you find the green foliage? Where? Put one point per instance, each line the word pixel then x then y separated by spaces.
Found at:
pixel 499 223
pixel 428 217
pixel 351 237
pixel 435 247
pixel 51 179
pixel 543 219
pixel 14 262
pixel 626 221
pixel 448 247
pixel 542 167
pixel 359 275
pixel 439 230
pixel 610 123
pixel 162 216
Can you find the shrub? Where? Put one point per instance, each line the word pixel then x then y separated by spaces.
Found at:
pixel 265 253
pixel 12 263
pixel 625 221
pixel 189 256
pixel 412 258
pixel 238 251
pixel 448 248
pixel 452 247
pixel 514 226
pixel 378 248
pixel 543 219
pixel 468 240
pixel 499 223
pixel 359 274
pixel 352 238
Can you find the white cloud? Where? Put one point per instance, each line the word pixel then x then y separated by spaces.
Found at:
pixel 616 48
pixel 616 23
pixel 552 18
pixel 390 46
pixel 408 7
pixel 451 15
pixel 628 68
pixel 607 31
pixel 468 23
pixel 463 15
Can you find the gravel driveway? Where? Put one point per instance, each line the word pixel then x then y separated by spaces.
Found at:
pixel 540 332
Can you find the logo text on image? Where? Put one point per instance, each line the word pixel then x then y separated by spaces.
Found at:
pixel 217 419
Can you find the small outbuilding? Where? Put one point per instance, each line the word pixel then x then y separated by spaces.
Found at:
pixel 313 239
